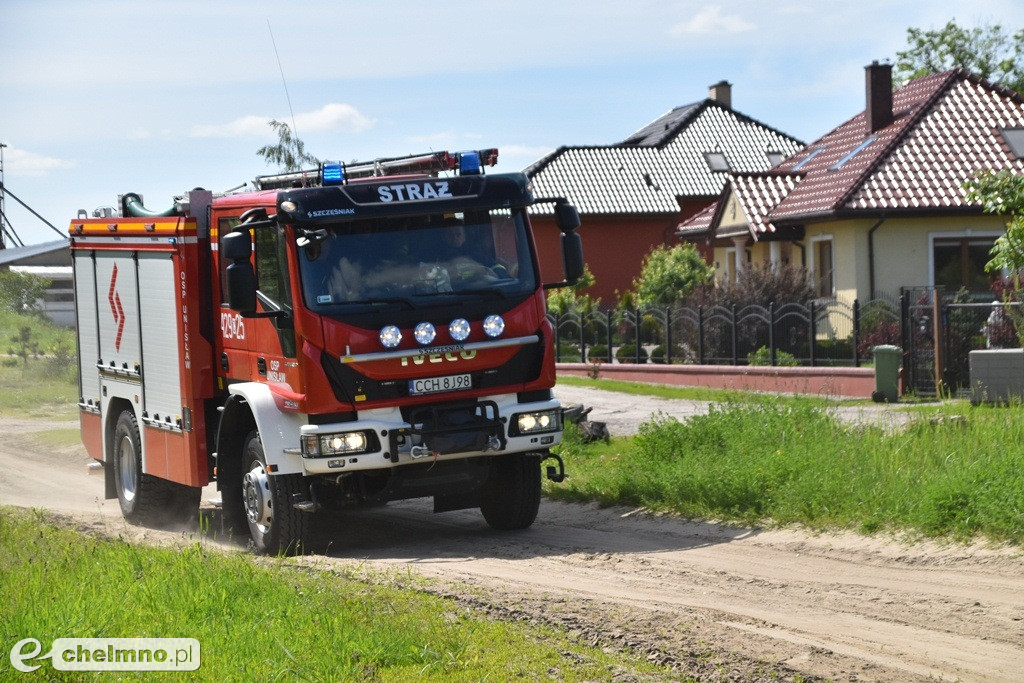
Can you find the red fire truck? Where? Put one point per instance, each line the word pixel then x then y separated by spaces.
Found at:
pixel 354 334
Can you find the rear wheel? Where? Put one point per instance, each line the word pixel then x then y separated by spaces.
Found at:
pixel 511 497
pixel 275 525
pixel 147 500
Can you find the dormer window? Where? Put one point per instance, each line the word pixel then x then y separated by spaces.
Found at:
pixel 775 158
pixel 717 162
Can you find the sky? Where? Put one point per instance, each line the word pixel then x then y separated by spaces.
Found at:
pixel 103 98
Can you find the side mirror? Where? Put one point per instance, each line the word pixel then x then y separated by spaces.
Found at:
pixel 241 278
pixel 567 218
pixel 236 246
pixel 572 256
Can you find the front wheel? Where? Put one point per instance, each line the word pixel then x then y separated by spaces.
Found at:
pixel 275 525
pixel 511 497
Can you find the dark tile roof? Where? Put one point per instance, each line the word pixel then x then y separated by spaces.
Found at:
pixel 663 161
pixel 945 130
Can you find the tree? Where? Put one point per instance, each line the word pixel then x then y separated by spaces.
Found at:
pixel 21 292
pixel 669 274
pixel 1002 193
pixel 987 51
pixel 572 299
pixel 289 153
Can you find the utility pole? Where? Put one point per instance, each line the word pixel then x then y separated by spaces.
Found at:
pixel 3 191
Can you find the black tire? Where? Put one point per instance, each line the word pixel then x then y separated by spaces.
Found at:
pixel 146 500
pixel 511 497
pixel 281 530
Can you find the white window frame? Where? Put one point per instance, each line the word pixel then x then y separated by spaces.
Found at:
pixel 812 262
pixel 729 265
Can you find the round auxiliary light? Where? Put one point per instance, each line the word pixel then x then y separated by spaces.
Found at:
pixel 494 325
pixel 390 336
pixel 459 329
pixel 424 333
pixel 288 206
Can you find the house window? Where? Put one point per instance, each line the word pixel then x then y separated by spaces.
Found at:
pixel 717 161
pixel 824 274
pixel 1015 139
pixel 959 263
pixel 775 158
pixel 808 158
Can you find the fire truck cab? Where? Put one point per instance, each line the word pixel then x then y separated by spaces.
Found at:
pixel 352 334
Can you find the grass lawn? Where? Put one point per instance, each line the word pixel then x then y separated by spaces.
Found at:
pixel 260 620
pixel 957 471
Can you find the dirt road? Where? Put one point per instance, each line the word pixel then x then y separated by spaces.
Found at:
pixel 712 601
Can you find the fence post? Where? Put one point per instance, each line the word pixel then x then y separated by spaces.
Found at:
pixel 700 335
pixel 558 337
pixel 608 331
pixel 813 330
pixel 907 339
pixel 735 338
pixel 771 333
pixel 583 340
pixel 668 335
pixel 636 330
pixel 856 333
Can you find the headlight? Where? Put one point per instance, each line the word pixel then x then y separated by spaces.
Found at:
pixel 344 443
pixel 494 325
pixel 536 423
pixel 459 329
pixel 390 336
pixel 424 333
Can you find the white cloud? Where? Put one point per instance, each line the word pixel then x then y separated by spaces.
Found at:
pixel 711 21
pixel 329 117
pixel 334 117
pixel 21 162
pixel 240 127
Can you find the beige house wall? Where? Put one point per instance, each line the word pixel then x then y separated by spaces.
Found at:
pixel 903 250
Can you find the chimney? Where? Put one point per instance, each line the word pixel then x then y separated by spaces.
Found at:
pixel 878 82
pixel 721 92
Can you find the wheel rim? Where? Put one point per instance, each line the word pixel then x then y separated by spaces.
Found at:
pixel 256 494
pixel 126 468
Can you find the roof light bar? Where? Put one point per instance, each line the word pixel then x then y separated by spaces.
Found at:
pixel 338 174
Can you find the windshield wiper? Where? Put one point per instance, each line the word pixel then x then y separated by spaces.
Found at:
pixel 496 293
pixel 381 300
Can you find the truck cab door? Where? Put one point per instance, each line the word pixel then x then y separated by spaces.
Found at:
pixel 274 348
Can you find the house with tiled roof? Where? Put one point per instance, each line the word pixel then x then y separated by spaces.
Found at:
pixel 879 202
pixel 633 194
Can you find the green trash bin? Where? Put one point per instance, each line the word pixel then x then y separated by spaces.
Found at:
pixel 887 373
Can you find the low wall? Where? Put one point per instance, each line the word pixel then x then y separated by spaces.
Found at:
pixel 845 382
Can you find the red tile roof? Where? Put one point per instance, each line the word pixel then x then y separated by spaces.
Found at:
pixel 945 130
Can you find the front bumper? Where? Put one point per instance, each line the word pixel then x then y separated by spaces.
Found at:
pixel 399 442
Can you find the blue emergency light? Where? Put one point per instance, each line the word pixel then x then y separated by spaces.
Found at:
pixel 332 174
pixel 469 163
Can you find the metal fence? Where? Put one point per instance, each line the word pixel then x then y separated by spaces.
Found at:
pixel 813 334
pixel 816 334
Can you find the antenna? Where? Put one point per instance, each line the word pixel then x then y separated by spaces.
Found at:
pixel 281 69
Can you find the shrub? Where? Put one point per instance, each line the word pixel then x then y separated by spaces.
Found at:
pixel 627 354
pixel 763 356
pixel 597 352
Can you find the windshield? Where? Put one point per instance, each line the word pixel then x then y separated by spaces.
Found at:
pixel 405 260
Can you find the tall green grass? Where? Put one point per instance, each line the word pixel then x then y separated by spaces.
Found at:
pixel 265 621
pixel 45 386
pixel 784 462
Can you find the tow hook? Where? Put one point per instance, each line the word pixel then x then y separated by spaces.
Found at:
pixel 304 505
pixel 555 473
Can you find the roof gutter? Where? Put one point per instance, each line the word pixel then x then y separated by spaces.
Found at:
pixel 871 258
